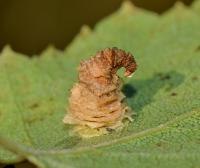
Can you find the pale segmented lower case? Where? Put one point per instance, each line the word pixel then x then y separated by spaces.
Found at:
pixel 96 113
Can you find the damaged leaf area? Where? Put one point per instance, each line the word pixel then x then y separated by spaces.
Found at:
pixel 96 103
pixel 164 95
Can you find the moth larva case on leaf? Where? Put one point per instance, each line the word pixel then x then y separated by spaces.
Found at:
pixel 96 103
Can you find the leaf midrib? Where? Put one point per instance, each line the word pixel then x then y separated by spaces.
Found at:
pixel 22 150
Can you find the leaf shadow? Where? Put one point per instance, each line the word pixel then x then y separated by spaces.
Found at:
pixel 141 93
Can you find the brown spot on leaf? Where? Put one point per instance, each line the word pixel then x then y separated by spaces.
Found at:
pixel 194 78
pixel 51 99
pixel 198 49
pixel 165 77
pixel 161 144
pixel 35 105
pixel 173 94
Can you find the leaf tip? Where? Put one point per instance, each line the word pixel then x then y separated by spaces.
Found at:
pixel 179 10
pixel 7 49
pixel 128 7
pixel 85 30
pixel 196 6
pixel 179 6
pixel 50 50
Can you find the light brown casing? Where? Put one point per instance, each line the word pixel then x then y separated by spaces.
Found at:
pixel 96 100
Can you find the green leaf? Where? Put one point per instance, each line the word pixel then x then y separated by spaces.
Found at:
pixel 164 93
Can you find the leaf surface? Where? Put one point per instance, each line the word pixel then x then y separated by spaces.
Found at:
pixel 164 93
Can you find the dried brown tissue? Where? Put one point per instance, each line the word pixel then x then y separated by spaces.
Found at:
pixel 96 102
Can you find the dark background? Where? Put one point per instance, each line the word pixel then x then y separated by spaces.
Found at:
pixel 30 25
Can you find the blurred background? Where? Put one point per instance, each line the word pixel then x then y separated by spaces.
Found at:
pixel 30 25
